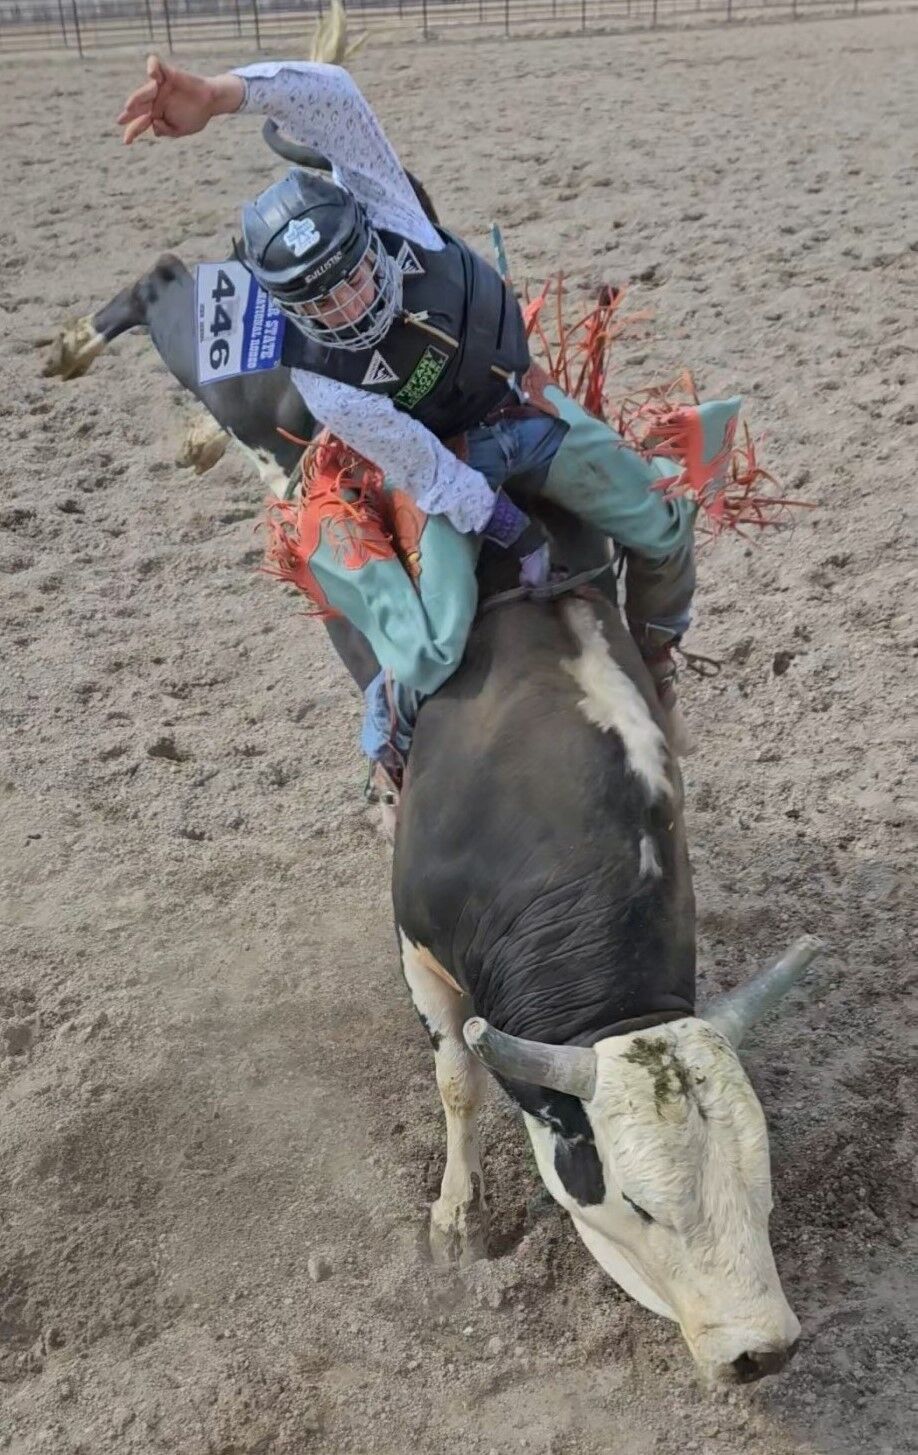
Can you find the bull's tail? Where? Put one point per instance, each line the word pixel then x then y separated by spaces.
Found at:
pixel 302 156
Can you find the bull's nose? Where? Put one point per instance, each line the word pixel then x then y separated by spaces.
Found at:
pixel 756 1363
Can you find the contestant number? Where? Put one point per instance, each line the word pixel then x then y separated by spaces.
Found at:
pixel 223 319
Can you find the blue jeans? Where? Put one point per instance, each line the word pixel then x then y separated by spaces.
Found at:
pixel 514 446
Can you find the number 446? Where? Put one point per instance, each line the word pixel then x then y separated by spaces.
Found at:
pixel 221 322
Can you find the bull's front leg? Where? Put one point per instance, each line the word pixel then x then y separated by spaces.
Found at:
pixel 458 1219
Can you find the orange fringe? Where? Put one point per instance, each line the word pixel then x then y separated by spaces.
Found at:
pixel 657 421
pixel 341 490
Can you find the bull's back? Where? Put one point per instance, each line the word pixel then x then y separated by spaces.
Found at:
pixel 540 842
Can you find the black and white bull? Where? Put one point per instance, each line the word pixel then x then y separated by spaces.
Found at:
pixel 543 899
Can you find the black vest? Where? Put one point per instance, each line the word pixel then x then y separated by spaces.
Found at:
pixel 448 359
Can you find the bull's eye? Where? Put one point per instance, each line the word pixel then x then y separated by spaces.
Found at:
pixel 644 1216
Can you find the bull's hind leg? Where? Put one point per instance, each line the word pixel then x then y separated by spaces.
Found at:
pixel 458 1219
pixel 74 348
pixel 81 340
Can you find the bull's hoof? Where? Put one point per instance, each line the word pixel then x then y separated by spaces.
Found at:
pixel 74 349
pixel 458 1235
pixel 203 444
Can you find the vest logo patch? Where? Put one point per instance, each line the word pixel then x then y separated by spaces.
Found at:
pixel 426 373
pixel 407 261
pixel 378 372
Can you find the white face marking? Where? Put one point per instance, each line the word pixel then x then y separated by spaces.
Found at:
pixel 612 702
pixel 649 860
pixel 683 1225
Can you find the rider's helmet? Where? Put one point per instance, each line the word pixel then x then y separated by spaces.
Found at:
pixel 309 244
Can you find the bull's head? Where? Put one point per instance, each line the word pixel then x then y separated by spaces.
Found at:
pixel 673 1191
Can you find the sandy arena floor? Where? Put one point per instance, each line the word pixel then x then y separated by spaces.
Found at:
pixel 210 1070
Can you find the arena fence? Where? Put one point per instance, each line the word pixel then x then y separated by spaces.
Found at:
pixel 85 26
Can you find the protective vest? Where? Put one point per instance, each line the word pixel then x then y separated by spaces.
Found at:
pixel 448 359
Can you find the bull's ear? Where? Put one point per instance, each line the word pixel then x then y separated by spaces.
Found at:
pixel 571 1069
pixel 733 1013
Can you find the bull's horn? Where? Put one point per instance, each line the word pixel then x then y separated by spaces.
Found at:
pixel 571 1069
pixel 733 1013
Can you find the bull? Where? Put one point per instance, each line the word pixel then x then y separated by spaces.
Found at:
pixel 545 914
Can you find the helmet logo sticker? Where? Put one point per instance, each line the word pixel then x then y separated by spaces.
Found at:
pixel 301 236
pixel 379 371
pixel 408 262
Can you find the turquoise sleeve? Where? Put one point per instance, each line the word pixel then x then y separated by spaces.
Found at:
pixel 418 631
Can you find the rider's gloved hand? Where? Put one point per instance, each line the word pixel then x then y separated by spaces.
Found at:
pixel 512 530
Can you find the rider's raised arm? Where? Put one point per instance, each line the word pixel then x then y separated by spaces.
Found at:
pixel 322 107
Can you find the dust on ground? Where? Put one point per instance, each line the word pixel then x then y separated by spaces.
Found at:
pixel 220 1128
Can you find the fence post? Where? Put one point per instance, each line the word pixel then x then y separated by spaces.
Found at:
pixel 583 5
pixel 794 8
pixel 60 11
pixel 76 27
pixel 238 17
pixel 424 17
pixel 149 18
pixel 257 26
pixel 168 21
pixel 654 14
pixel 729 10
pixel 506 17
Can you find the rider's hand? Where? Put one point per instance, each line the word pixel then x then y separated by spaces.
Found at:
pixel 177 103
pixel 511 528
pixel 535 568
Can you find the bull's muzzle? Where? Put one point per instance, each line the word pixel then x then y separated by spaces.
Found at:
pixel 754 1364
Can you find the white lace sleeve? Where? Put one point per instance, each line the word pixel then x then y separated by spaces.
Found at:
pixel 322 107
pixel 403 448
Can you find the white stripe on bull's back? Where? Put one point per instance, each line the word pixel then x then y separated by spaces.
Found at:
pixel 611 701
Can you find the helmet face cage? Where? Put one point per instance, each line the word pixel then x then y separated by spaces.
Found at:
pixel 357 311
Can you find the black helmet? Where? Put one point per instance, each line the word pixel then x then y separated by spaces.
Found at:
pixel 309 244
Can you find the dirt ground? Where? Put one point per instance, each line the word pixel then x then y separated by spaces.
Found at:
pixel 220 1130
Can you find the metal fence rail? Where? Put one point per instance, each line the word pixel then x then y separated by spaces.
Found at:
pixel 84 26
